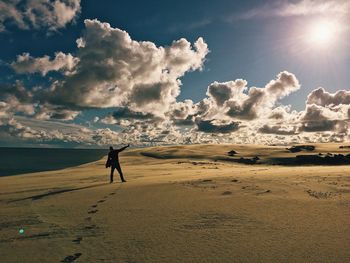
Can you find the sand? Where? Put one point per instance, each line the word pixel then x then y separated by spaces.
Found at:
pixel 180 204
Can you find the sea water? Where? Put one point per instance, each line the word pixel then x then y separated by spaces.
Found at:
pixel 28 160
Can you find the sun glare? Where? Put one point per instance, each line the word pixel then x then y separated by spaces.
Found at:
pixel 322 33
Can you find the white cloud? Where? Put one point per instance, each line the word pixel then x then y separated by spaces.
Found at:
pixel 47 111
pixel 231 99
pixel 36 131
pixel 262 122
pixel 141 81
pixel 114 70
pixel 314 7
pixel 28 64
pixel 333 8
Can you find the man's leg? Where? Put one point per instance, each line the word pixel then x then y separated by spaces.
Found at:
pixel 119 169
pixel 112 173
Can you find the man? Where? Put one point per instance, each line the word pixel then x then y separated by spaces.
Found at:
pixel 113 162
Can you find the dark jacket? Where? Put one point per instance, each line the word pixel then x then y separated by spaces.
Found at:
pixel 113 157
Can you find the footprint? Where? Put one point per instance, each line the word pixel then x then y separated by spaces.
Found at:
pixel 234 181
pixel 250 187
pixel 264 192
pixel 101 201
pixel 90 227
pixel 92 211
pixel 227 193
pixel 94 206
pixel 112 194
pixel 77 240
pixel 71 258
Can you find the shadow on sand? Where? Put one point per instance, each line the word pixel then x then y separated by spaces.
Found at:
pixel 38 197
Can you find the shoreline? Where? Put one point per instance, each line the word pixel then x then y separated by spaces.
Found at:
pixel 297 159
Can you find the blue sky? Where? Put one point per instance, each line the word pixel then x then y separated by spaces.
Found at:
pixel 250 40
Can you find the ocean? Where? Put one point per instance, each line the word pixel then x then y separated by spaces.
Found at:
pixel 15 161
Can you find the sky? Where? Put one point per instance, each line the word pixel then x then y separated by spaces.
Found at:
pixel 97 73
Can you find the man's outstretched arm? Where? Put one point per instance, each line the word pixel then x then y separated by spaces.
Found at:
pixel 123 148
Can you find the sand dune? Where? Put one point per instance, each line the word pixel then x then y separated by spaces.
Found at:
pixel 182 204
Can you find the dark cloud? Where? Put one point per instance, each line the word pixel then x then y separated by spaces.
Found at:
pixel 276 115
pixel 183 113
pixel 222 92
pixel 189 121
pixel 145 94
pixel 126 113
pixel 27 14
pixel 123 116
pixel 279 113
pixel 16 90
pixel 203 107
pixel 209 126
pixel 277 129
pixel 247 110
pixel 327 112
pixel 323 98
pixel 153 97
pixel 314 120
pixel 182 110
pixel 15 98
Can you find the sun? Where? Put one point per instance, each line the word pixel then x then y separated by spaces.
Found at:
pixel 322 33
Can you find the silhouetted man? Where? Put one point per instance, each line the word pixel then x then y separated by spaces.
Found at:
pixel 113 162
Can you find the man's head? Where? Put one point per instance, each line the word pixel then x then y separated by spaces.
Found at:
pixel 110 148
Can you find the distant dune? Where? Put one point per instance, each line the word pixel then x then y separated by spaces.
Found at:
pixel 197 203
pixel 312 154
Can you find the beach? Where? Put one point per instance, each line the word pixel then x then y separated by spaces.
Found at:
pixel 190 203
